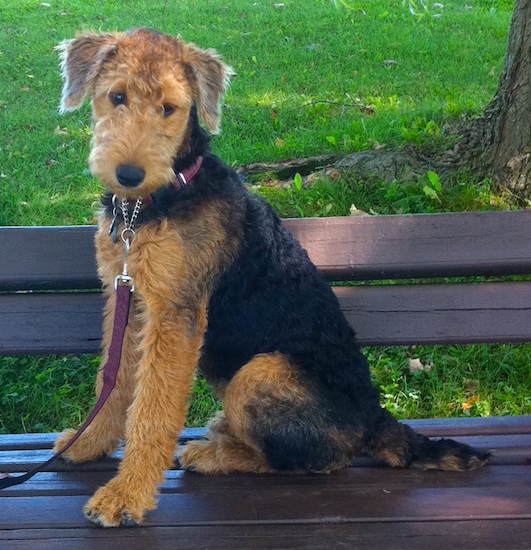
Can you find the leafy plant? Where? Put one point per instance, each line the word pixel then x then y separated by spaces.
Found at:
pixel 434 188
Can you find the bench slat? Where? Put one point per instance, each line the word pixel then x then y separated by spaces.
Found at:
pixel 83 482
pixel 43 324
pixel 39 441
pixel 509 449
pixel 372 247
pixel 44 258
pixel 382 315
pixel 432 427
pixel 378 535
pixel 419 245
pixel 425 314
pixel 342 499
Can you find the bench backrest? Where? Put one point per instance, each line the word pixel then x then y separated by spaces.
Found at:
pixel 40 267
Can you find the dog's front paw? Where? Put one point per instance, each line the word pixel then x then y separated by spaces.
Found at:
pixel 86 448
pixel 118 504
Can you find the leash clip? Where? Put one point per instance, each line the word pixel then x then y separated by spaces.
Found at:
pixel 125 279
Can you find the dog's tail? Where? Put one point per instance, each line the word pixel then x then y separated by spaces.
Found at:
pixel 398 445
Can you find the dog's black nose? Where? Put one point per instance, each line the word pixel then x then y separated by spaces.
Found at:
pixel 130 175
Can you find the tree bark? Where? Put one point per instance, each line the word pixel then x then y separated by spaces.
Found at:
pixel 498 144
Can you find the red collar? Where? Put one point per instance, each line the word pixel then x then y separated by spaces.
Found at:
pixel 182 179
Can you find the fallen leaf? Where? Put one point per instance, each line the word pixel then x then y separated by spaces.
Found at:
pixel 312 178
pixel 469 403
pixel 334 174
pixel 416 365
pixel 470 385
pixel 353 211
pixel 369 111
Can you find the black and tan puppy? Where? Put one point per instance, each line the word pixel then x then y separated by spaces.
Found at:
pixel 219 285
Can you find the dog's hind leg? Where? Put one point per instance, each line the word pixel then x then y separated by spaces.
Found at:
pixel 398 445
pixel 108 428
pixel 272 422
pixel 223 454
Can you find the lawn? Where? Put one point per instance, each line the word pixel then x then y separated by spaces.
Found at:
pixel 303 70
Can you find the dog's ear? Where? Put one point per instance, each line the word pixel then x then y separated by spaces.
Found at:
pixel 81 61
pixel 210 78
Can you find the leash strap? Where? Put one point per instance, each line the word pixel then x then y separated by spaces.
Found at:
pixel 110 373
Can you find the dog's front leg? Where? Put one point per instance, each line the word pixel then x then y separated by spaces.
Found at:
pixel 170 351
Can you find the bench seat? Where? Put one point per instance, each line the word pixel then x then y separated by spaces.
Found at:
pixel 364 506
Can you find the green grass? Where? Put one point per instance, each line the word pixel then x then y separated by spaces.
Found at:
pixel 286 60
pixel 301 70
pixel 42 394
pixel 463 380
pixel 334 198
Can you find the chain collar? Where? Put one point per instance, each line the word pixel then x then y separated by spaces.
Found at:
pixel 129 223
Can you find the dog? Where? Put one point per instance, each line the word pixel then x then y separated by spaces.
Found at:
pixel 220 286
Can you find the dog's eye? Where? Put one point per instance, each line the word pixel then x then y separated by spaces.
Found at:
pixel 167 110
pixel 118 98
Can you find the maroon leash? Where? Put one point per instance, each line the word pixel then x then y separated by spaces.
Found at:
pixel 124 288
pixel 110 372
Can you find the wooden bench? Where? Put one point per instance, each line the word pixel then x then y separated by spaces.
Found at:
pixel 365 506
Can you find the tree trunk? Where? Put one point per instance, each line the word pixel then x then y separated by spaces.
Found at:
pixel 499 142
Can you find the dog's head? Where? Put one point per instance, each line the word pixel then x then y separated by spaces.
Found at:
pixel 143 85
